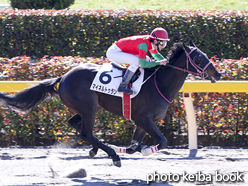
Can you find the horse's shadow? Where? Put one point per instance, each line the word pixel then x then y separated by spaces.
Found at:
pixel 133 158
pixel 100 182
pixel 82 157
pixel 163 159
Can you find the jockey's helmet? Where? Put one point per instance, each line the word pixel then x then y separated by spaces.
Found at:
pixel 161 35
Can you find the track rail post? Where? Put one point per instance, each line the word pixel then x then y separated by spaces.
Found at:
pixel 192 128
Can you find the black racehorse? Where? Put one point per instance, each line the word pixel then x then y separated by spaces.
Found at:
pixel 148 107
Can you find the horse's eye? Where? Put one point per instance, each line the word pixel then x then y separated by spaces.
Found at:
pixel 198 60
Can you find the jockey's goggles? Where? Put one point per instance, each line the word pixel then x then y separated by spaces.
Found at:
pixel 162 43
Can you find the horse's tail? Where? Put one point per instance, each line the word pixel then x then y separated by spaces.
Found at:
pixel 25 101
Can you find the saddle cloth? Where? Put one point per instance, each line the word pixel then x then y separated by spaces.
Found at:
pixel 108 79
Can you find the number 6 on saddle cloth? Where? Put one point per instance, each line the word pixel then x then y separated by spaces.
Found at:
pixel 109 77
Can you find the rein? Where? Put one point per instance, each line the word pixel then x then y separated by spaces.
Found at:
pixel 159 90
pixel 200 71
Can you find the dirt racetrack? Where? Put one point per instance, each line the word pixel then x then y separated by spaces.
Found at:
pixel 52 166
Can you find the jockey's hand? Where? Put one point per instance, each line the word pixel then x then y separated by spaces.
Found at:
pixel 163 62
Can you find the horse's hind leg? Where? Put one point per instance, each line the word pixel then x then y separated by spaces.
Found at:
pixel 88 113
pixel 93 152
pixel 86 134
pixel 76 122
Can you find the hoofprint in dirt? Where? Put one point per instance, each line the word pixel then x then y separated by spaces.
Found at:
pixel 52 166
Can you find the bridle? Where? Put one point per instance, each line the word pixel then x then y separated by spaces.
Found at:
pixel 200 71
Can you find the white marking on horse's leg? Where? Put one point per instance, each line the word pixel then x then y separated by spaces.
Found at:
pixel 118 149
pixel 149 150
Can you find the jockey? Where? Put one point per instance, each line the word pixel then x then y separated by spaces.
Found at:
pixel 133 51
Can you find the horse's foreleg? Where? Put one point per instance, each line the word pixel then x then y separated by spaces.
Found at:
pixel 138 137
pixel 135 146
pixel 152 129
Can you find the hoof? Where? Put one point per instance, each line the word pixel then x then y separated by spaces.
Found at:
pixel 117 163
pixel 133 148
pixel 93 152
pixel 116 160
pixel 130 151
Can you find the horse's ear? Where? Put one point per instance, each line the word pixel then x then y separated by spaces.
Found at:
pixel 186 48
pixel 191 43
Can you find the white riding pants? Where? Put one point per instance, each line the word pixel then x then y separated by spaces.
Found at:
pixel 115 54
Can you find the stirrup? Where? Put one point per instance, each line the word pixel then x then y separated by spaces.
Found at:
pixel 125 89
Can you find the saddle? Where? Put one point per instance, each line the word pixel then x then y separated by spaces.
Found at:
pixel 123 69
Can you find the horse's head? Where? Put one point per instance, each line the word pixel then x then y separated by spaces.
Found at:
pixel 199 64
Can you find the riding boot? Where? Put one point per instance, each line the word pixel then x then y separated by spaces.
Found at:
pixel 123 87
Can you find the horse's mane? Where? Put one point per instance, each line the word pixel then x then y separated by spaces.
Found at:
pixel 175 52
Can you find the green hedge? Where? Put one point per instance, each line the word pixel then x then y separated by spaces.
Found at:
pixel 86 33
pixel 222 118
pixel 40 4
